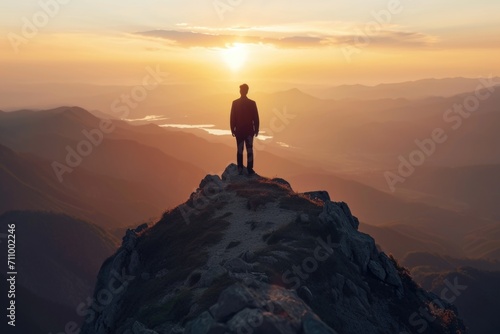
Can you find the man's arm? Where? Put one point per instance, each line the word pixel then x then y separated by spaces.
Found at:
pixel 232 121
pixel 256 122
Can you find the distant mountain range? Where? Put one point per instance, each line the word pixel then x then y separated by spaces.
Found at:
pixel 446 208
pixel 418 89
pixel 57 259
pixel 139 171
pixel 473 281
pixel 168 97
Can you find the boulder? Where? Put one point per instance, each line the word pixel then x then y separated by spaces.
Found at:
pixel 200 325
pixel 139 328
pixel 282 182
pixel 392 273
pixel 232 300
pixel 377 270
pixel 320 195
pixel 211 185
pixel 237 265
pixel 312 325
pixel 209 276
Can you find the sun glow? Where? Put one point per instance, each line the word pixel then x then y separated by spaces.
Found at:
pixel 235 56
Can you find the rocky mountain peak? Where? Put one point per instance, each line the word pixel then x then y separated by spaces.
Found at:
pixel 249 255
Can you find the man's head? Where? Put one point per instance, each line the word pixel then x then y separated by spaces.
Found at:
pixel 244 90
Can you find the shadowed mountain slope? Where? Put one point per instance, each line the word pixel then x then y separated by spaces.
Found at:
pixel 57 259
pixel 244 248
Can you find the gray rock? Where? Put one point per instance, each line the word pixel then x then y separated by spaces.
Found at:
pixel 209 276
pixel 338 280
pixel 351 288
pixel 282 182
pixel 237 265
pixel 211 186
pixel 304 218
pixel 229 173
pixel 392 277
pixel 336 295
pixel 355 245
pixel 272 323
pixel 355 304
pixel 305 294
pixel 218 329
pixel 268 259
pixel 321 195
pixel 141 228
pixel 363 297
pixel 377 270
pixel 162 273
pixel 176 329
pixel 115 267
pixel 134 262
pixel 255 321
pixel 139 328
pixel 353 220
pixel 362 250
pixel 312 325
pixel 246 321
pixel 194 278
pixel 200 325
pixel 252 279
pixel 248 256
pixel 129 240
pixel 168 328
pixel 232 300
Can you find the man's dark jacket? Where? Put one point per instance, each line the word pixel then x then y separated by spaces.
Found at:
pixel 244 117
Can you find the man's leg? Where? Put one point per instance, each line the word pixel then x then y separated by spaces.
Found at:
pixel 239 154
pixel 249 146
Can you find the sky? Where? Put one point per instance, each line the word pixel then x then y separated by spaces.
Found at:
pixel 322 42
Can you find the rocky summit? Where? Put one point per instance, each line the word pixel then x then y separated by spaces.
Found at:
pixel 250 255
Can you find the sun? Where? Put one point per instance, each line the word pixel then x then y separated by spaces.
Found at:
pixel 235 56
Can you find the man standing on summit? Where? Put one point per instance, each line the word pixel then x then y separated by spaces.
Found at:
pixel 244 125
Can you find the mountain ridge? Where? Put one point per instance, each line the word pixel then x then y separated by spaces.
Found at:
pixel 415 89
pixel 230 254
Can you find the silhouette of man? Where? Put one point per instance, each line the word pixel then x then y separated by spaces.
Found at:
pixel 244 125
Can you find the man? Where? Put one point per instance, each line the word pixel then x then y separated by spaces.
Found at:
pixel 244 125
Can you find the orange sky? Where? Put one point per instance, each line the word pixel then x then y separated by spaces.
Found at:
pixel 318 42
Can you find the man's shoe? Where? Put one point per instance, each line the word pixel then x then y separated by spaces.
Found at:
pixel 251 171
pixel 240 170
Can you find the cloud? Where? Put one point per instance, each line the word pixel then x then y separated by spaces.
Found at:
pixel 190 39
pixel 388 38
pixel 289 40
pixel 149 118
